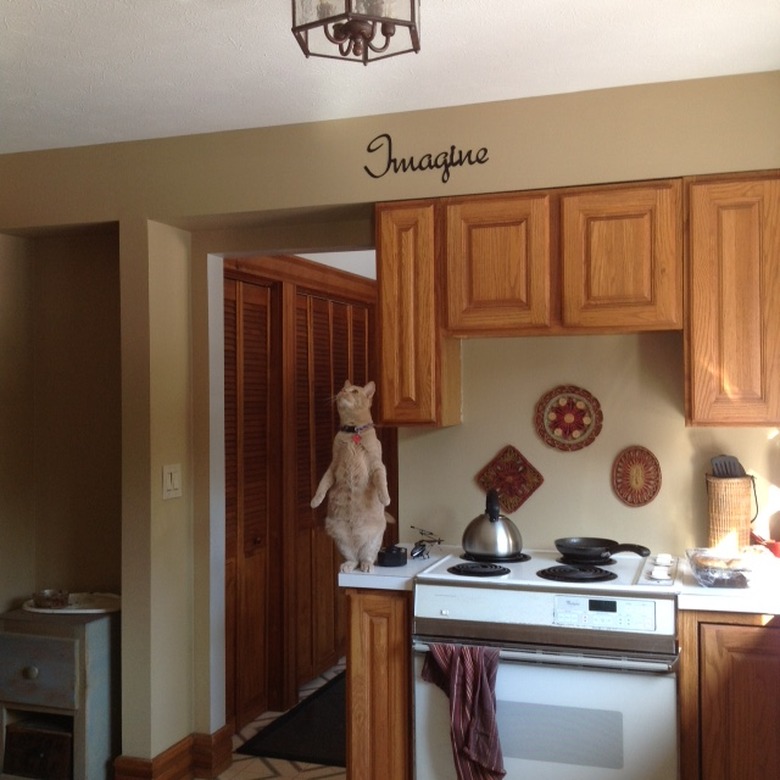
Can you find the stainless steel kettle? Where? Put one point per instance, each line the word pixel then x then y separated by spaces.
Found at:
pixel 492 536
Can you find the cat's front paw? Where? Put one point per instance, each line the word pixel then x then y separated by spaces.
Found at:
pixel 348 566
pixel 366 566
pixel 384 497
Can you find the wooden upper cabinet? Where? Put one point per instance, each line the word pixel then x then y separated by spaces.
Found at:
pixel 733 318
pixel 497 263
pixel 621 257
pixel 419 376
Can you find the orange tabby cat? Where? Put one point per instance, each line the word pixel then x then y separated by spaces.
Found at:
pixel 356 482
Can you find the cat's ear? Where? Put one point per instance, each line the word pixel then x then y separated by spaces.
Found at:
pixel 369 390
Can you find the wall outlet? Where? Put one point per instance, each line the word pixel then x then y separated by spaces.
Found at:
pixel 171 481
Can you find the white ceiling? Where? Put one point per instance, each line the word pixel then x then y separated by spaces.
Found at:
pixel 76 72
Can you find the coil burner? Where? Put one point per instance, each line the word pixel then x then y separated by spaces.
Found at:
pixel 576 574
pixel 478 569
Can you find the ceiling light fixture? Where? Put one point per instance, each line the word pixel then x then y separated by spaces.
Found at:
pixel 356 30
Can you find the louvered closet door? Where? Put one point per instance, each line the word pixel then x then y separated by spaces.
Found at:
pixel 331 346
pixel 252 472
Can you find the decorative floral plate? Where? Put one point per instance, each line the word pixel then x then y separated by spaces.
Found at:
pixel 636 476
pixel 568 418
pixel 512 476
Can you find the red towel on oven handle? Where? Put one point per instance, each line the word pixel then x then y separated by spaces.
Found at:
pixel 467 674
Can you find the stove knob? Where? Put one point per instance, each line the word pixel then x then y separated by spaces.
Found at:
pixel 663 559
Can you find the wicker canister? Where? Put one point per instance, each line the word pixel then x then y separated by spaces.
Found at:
pixel 730 506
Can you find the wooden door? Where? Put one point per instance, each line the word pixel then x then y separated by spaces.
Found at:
pixel 332 344
pixel 252 496
pixel 740 702
pixel 621 255
pixel 733 319
pixel 496 268
pixel 294 332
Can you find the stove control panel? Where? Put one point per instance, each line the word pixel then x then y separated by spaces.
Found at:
pixel 603 612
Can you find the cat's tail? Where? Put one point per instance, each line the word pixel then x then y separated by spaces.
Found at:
pixel 389 518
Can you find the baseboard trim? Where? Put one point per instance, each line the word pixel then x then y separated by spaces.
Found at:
pixel 199 755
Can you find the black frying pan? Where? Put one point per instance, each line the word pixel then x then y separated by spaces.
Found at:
pixel 589 549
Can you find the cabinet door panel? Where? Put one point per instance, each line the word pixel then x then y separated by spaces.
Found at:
pixel 740 722
pixel 497 263
pixel 378 684
pixel 419 382
pixel 733 322
pixel 622 257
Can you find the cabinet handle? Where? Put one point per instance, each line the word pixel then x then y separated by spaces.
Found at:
pixel 30 672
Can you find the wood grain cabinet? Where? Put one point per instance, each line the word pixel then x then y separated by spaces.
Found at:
pixel 419 377
pixel 588 259
pixel 59 690
pixel 729 705
pixel 379 685
pixel 622 257
pixel 733 317
pixel 496 266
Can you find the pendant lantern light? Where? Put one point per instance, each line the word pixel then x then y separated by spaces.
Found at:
pixel 356 30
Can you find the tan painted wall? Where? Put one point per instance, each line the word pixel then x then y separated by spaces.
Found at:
pixel 17 498
pixel 247 191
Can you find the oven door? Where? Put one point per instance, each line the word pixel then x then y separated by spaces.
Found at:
pixel 562 719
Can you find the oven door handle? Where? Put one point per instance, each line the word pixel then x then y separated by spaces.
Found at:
pixel 578 660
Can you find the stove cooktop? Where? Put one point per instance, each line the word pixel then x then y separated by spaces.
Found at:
pixel 657 572
pixel 632 609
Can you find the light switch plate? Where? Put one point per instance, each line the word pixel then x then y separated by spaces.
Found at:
pixel 171 481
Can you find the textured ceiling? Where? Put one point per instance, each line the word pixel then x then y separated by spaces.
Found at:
pixel 76 72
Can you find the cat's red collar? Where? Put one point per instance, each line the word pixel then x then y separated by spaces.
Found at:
pixel 356 428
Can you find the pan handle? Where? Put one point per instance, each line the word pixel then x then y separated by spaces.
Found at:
pixel 639 549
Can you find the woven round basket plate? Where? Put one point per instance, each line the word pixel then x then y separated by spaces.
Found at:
pixel 636 476
pixel 568 418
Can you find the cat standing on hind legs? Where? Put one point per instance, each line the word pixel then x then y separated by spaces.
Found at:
pixel 355 482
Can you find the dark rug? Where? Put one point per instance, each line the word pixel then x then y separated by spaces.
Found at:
pixel 313 731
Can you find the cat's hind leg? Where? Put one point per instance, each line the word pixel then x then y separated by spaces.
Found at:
pixel 368 552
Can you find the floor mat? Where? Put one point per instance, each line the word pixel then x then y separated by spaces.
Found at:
pixel 313 731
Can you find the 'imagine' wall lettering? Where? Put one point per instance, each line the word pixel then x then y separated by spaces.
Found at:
pixel 444 161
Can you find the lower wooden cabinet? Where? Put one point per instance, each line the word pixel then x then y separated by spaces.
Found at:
pixel 729 696
pixel 379 684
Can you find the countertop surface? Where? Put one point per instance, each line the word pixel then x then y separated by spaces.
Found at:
pixel 761 597
pixel 395 577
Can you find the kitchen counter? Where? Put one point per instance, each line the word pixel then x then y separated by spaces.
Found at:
pixel 395 577
pixel 762 597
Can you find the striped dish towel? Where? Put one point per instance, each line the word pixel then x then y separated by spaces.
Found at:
pixel 467 674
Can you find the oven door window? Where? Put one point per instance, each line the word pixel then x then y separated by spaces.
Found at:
pixel 555 723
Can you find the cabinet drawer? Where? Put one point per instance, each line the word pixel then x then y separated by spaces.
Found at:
pixel 39 670
pixel 38 749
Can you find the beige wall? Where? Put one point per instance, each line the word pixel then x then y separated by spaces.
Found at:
pixel 302 188
pixel 77 418
pixel 638 381
pixel 17 499
pixel 60 495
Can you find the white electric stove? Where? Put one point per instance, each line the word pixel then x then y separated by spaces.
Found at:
pixel 594 658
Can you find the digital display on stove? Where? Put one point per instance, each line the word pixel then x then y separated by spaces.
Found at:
pixel 602 605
